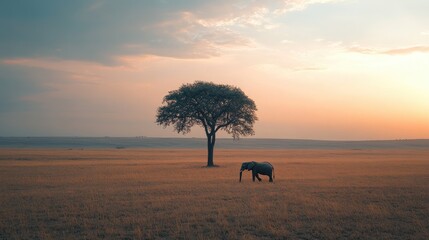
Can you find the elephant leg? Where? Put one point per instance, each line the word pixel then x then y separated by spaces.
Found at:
pixel 257 176
pixel 271 178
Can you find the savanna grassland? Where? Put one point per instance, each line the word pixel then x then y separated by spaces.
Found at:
pixel 167 194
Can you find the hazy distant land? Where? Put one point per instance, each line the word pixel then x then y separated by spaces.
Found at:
pixel 201 143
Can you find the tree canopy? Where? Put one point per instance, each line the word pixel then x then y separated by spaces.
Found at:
pixel 213 106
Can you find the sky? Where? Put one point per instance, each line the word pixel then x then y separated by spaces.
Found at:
pixel 316 69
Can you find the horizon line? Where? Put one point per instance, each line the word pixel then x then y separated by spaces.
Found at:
pixel 226 138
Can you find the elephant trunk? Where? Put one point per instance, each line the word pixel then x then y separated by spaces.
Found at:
pixel 241 173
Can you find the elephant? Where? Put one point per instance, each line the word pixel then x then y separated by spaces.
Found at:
pixel 263 168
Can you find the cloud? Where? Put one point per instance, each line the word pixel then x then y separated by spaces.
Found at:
pixel 408 50
pixel 253 16
pixel 299 5
pixel 188 36
pixel 392 51
pixel 103 31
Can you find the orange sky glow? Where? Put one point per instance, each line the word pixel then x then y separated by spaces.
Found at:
pixel 316 70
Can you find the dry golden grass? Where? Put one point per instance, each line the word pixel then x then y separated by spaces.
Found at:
pixel 167 194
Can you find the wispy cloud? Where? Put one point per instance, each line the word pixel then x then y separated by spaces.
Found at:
pixel 192 37
pixel 408 50
pixel 299 5
pixel 392 51
pixel 257 17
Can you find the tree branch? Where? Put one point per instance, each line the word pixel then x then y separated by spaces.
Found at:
pixel 224 125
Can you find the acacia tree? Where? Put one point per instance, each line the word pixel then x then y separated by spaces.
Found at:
pixel 213 106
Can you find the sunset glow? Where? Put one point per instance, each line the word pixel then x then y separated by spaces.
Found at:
pixel 315 69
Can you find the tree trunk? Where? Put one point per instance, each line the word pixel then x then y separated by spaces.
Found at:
pixel 211 139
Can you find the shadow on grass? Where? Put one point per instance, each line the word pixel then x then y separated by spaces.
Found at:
pixel 214 166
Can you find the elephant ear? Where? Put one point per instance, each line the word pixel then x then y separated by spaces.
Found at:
pixel 250 165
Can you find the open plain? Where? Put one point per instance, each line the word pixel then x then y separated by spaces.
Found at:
pixel 168 194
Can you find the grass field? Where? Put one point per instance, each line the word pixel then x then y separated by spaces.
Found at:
pixel 167 194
